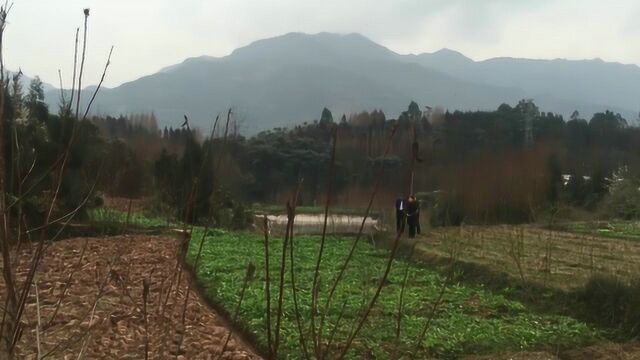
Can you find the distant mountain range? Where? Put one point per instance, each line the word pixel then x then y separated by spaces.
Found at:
pixel 289 79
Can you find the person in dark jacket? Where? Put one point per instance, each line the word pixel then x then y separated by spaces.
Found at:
pixel 400 208
pixel 413 216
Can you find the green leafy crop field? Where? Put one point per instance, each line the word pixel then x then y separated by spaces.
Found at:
pixel 468 320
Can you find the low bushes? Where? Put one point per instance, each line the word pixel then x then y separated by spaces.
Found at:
pixel 609 301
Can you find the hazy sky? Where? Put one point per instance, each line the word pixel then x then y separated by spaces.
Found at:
pixel 151 34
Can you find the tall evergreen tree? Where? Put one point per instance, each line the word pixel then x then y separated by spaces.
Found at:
pixel 34 101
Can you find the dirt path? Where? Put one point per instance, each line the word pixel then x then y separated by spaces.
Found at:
pixel 109 284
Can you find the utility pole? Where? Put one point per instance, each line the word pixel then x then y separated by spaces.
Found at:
pixel 529 111
pixel 528 131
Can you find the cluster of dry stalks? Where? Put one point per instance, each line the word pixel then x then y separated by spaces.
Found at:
pixel 13 229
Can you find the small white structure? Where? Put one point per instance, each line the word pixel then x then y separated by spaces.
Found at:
pixel 313 223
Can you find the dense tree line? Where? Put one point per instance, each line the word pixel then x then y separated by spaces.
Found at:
pixel 35 142
pixel 105 154
pixel 512 164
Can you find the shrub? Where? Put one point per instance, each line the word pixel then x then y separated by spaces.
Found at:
pixel 608 301
pixel 98 201
pixel 623 200
pixel 447 211
pixel 229 213
pixel 242 217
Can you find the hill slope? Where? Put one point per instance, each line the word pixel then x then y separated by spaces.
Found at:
pixel 289 79
pixel 560 85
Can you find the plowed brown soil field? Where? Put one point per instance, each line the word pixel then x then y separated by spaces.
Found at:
pixel 102 312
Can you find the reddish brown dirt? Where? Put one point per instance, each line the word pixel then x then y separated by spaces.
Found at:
pixel 109 283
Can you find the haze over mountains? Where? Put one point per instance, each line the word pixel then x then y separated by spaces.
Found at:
pixel 289 79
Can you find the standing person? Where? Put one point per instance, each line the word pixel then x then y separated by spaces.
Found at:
pixel 413 216
pixel 400 208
